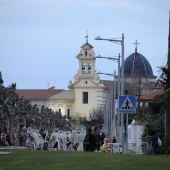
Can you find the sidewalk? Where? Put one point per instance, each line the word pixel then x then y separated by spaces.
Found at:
pixel 4 153
pixel 12 148
pixel 3 149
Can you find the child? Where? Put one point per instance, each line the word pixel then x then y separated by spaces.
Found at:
pixel 28 142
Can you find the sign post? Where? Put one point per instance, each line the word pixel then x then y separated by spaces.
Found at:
pixel 127 104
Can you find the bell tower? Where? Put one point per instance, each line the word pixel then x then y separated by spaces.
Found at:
pixel 86 59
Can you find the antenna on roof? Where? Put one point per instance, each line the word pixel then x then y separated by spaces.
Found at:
pixel 48 85
pixel 86 37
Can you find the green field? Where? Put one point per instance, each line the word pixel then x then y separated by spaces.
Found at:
pixel 51 160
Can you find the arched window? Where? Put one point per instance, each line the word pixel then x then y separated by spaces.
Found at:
pixel 83 67
pixel 89 67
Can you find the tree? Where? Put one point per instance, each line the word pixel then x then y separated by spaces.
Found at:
pixel 17 112
pixel 97 116
pixel 164 79
pixel 155 122
pixel 164 98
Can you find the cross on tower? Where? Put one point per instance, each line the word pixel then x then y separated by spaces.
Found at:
pixel 136 44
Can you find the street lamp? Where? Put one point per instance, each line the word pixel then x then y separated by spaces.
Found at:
pixel 110 119
pixel 110 39
pixel 105 74
pixel 117 59
pixel 120 42
pixel 139 91
pixel 106 106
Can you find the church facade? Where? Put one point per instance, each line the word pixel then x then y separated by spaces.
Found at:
pixel 84 92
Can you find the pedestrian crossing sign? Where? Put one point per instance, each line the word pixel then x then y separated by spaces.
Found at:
pixel 127 104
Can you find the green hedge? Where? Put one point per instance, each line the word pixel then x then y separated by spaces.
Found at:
pixel 156 122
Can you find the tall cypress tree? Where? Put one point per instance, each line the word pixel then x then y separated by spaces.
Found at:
pixel 1 80
pixel 168 87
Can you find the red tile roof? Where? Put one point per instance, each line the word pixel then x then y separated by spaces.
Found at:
pixel 151 96
pixel 107 83
pixel 37 94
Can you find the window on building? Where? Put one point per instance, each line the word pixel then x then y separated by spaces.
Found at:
pixel 89 67
pixel 51 107
pixel 85 82
pixel 83 67
pixel 68 113
pixel 85 97
pixel 59 110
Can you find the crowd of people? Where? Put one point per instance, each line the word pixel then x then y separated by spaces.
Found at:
pixel 4 137
pixel 92 142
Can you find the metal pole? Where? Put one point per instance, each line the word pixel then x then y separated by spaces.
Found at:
pixel 126 133
pixel 114 104
pixel 165 126
pixel 118 114
pixel 106 117
pixel 111 111
pixel 122 77
pixel 122 91
pixel 107 113
pixel 138 111
pixel 122 68
pixel 105 109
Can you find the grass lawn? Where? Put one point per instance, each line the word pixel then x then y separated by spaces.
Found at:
pixel 51 160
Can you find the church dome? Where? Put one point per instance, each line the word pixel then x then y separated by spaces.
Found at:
pixel 137 65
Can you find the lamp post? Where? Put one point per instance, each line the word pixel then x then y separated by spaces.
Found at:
pixel 1 98
pixel 139 91
pixel 117 59
pixel 111 105
pixel 120 42
pixel 106 106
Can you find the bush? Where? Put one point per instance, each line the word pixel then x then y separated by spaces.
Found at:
pixel 156 122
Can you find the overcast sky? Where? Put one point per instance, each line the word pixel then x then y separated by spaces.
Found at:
pixel 40 39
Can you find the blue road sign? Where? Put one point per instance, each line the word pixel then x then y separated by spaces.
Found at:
pixel 127 104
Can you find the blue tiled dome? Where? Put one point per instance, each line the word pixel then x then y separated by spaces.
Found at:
pixel 137 65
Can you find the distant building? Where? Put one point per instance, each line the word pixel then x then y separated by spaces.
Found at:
pixel 138 74
pixel 88 92
pixel 149 100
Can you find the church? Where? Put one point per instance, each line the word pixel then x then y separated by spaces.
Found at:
pixel 138 74
pixel 83 94
pixel 88 92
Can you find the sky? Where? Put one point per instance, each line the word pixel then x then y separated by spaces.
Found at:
pixel 40 39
